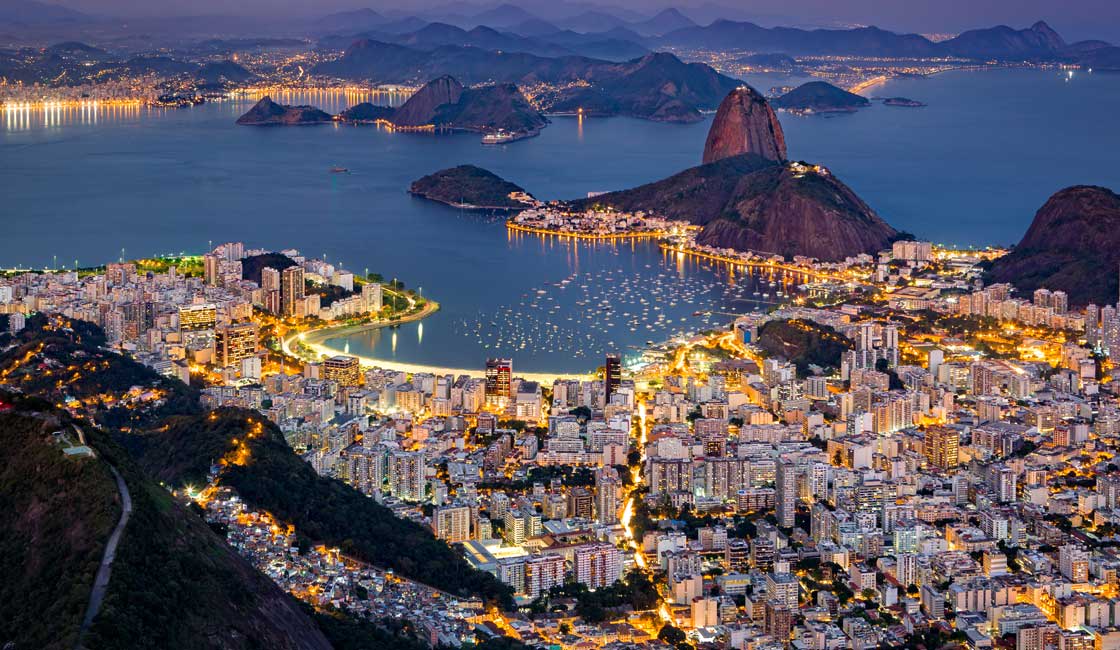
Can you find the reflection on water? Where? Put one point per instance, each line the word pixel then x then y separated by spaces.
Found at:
pixel 598 297
pixel 24 117
pixel 331 100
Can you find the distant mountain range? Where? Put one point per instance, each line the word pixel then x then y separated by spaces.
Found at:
pixel 657 86
pixel 511 28
pixel 73 63
pixel 613 45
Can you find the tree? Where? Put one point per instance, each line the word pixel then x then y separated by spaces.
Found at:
pixel 673 636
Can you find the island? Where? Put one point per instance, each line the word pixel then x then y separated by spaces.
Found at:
pixel 820 97
pixel 499 111
pixel 903 102
pixel 473 188
pixel 268 113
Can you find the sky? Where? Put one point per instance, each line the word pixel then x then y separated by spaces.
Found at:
pixel 1075 19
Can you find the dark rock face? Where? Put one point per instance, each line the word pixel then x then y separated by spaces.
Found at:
pixel 268 113
pixel 797 210
pixel 420 109
pixel 469 186
pixel 748 202
pixel 656 86
pixel 745 124
pixel 820 96
pixel 366 112
pixel 1073 245
pixel 490 108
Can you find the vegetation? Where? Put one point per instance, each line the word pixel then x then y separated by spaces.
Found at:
pixel 468 185
pixel 635 590
pixel 173 580
pixel 323 509
pixel 56 513
pixel 803 343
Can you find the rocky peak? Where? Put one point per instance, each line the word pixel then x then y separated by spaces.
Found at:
pixel 1047 36
pixel 745 123
pixel 420 109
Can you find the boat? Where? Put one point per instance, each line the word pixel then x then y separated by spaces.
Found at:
pixel 501 136
pixel 339 170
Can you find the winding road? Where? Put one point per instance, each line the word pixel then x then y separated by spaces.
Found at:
pixel 101 582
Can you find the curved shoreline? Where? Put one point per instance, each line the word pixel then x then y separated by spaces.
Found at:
pixel 316 340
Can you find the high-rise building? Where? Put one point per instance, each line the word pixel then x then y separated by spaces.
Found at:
pixel 777 620
pixel 520 525
pixel 406 475
pixel 452 523
pixel 343 369
pixel 598 565
pixel 499 375
pixel 786 494
pixel 371 297
pixel 1073 562
pixel 236 342
pixel 612 377
pixel 197 318
pixel 292 290
pixel 270 279
pixel 581 503
pixel 542 573
pixel 211 269
pixel 941 447
pixel 607 486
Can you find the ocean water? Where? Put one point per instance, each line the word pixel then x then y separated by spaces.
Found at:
pixel 971 168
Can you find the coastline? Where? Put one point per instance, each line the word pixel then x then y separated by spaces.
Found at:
pixel 641 234
pixel 315 339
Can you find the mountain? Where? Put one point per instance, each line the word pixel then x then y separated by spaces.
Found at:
pixel 503 16
pixel 668 20
pixel 748 198
pixel 618 44
pixel 591 21
pixel 1036 42
pixel 1102 58
pixel 367 112
pixel 866 41
pixel 172 583
pixel 421 107
pixel 798 209
pixel 445 102
pixel 697 195
pixel 657 86
pixel 1073 245
pixel 268 113
pixel 223 72
pixel 175 443
pixel 31 12
pixel 550 43
pixel 745 124
pixel 356 20
pixel 496 107
pixel 820 97
pixel 468 185
pixel 534 27
pixel 1003 42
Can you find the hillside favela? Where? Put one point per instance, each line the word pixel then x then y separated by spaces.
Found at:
pixel 559 325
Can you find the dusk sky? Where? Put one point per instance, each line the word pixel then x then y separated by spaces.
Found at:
pixel 1076 19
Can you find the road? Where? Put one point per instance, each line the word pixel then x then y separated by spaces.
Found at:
pixel 101 582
